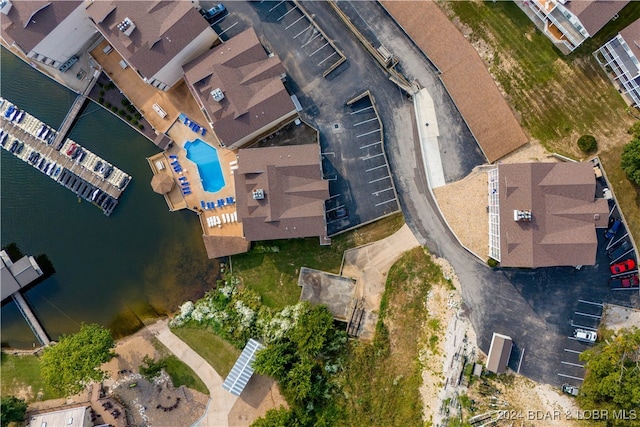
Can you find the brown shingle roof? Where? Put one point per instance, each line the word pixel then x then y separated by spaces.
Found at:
pixel 561 198
pixel 163 29
pixel 219 246
pixel 631 34
pixel 294 192
pixel 594 14
pixel 254 95
pixel 464 74
pixel 29 22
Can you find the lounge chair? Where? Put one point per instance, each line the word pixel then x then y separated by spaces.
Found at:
pixel 202 204
pixel 204 131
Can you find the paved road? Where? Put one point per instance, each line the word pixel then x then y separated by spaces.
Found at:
pixel 220 401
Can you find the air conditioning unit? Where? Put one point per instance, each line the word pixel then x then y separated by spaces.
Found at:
pixel 217 95
pixel 258 194
pixel 126 26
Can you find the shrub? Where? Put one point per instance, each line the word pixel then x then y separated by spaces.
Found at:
pixel 101 100
pixel 124 102
pixel 150 368
pixel 141 126
pixel 492 263
pixel 131 108
pixel 129 118
pixel 587 144
pixel 114 109
pixel 107 104
pixel 630 160
pixel 138 115
pixel 100 84
pixel 134 122
pixel 102 93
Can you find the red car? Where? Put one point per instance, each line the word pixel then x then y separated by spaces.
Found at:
pixel 631 282
pixel 623 266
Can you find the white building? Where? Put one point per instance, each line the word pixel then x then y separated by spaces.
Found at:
pixel 568 23
pixel 74 417
pixel 51 32
pixel 620 58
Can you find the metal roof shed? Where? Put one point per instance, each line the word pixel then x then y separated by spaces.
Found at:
pixel 499 353
pixel 242 370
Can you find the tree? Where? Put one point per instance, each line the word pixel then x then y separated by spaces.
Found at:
pixel 612 380
pixel 280 417
pixel 634 130
pixel 67 366
pixel 12 409
pixel 150 368
pixel 630 160
pixel 587 144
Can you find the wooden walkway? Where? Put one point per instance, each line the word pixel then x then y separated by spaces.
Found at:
pixel 31 319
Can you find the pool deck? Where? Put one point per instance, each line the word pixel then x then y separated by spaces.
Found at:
pixel 180 134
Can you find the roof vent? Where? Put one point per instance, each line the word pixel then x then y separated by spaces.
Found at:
pixel 217 95
pixel 258 194
pixel 522 216
pixel 126 26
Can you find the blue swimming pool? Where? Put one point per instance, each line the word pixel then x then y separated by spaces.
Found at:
pixel 206 157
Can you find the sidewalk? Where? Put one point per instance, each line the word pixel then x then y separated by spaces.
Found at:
pixel 220 401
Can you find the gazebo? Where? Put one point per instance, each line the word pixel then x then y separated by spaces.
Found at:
pixel 162 183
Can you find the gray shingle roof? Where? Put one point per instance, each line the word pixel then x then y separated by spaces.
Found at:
pixel 564 210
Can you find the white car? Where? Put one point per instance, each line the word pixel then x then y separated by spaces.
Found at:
pixel 584 335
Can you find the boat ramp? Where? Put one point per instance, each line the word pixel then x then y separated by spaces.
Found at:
pixel 65 161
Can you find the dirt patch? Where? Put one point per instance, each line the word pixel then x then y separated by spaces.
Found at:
pixel 617 317
pixel 260 395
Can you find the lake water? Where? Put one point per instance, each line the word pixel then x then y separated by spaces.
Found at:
pixel 141 261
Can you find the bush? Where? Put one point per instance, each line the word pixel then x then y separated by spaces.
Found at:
pixel 131 108
pixel 587 144
pixel 134 122
pixel 141 126
pixel 100 84
pixel 630 160
pixel 138 115
pixel 114 109
pixel 150 368
pixel 492 262
pixel 107 104
pixel 129 118
pixel 122 113
pixel 124 102
pixel 101 100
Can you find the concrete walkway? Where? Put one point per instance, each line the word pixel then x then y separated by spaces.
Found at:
pixel 220 401
pixel 428 133
pixel 369 265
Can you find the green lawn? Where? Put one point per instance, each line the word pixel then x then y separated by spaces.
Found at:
pixel 220 354
pixel 381 380
pixel 558 97
pixel 20 373
pixel 181 374
pixel 275 275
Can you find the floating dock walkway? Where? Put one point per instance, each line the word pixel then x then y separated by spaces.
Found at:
pixel 66 162
pixel 31 319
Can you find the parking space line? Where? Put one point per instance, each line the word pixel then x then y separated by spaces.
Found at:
pixel 295 22
pixel 572 351
pixel 371 157
pixel 334 53
pixel 621 256
pixel 224 31
pixel 572 364
pixel 274 7
pixel 520 363
pixel 593 316
pixel 379 179
pixel 329 152
pixel 361 110
pixel 583 327
pixel 612 243
pixel 365 121
pixel 319 49
pixel 288 12
pixel 383 203
pixel 590 302
pixel 368 133
pixel 336 195
pixel 572 377
pixel 376 167
pixel 312 38
pixel 371 145
pixel 336 208
pixel 298 35
pixel 382 191
pixel 218 21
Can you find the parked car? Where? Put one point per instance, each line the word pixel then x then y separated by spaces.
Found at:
pixel 621 267
pixel 570 389
pixel 214 12
pixel 618 250
pixel 613 229
pixel 584 335
pixel 337 214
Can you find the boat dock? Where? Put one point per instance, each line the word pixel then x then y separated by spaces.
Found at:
pixel 31 319
pixel 66 162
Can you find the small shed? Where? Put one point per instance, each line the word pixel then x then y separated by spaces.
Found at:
pixel 499 353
